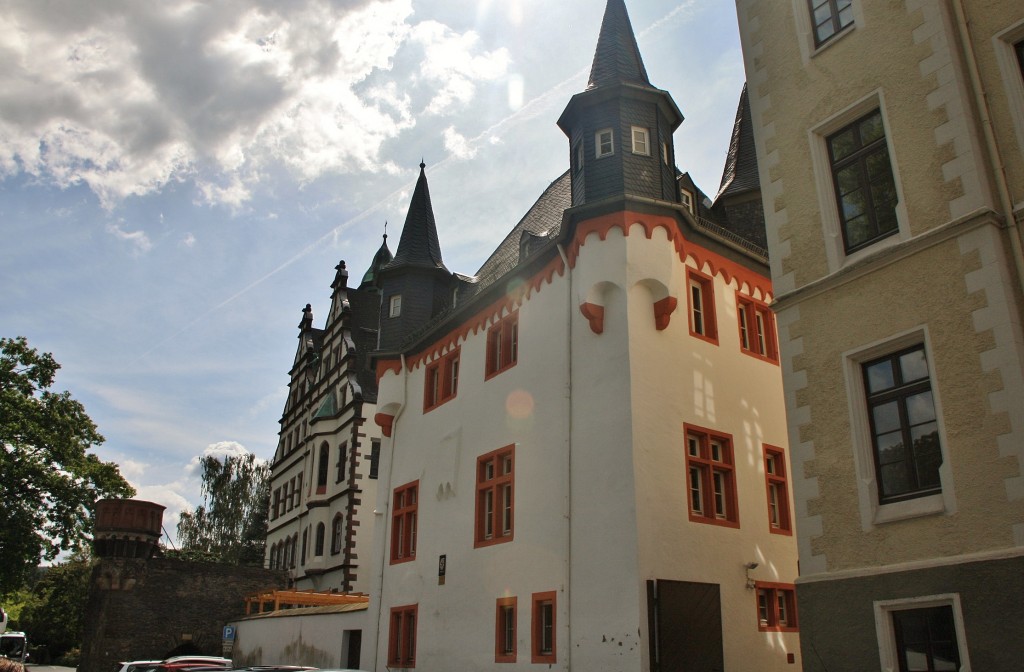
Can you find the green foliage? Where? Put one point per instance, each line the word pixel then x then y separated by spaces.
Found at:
pixel 231 524
pixel 55 618
pixel 49 482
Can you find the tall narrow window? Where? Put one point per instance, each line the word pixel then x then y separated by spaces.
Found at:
pixel 641 141
pixel 402 637
pixel 495 497
pixel 318 545
pixel 342 458
pixel 321 474
pixel 863 180
pixel 776 607
pixel 711 480
pixel 926 639
pixel 830 17
pixel 777 488
pixel 502 345
pixel 505 630
pixel 374 457
pixel 578 157
pixel 701 293
pixel 687 198
pixel 544 633
pixel 337 534
pixel 904 427
pixel 757 329
pixel 604 144
pixel 403 522
pixel 395 305
pixel 441 380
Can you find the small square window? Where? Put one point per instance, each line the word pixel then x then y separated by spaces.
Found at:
pixel 757 329
pixel 829 18
pixel 395 305
pixel 687 198
pixel 604 144
pixel 641 141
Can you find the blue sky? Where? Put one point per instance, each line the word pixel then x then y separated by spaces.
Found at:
pixel 179 178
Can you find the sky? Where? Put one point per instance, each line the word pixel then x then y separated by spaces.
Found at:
pixel 179 178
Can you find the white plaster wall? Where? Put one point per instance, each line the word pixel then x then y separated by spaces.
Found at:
pixel 318 640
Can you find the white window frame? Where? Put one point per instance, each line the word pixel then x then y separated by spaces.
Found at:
pixel 886 634
pixel 643 148
pixel 578 154
pixel 598 143
pixel 395 305
pixel 828 204
pixel 664 153
pixel 872 513
pixel 1013 78
pixel 805 29
pixel 686 196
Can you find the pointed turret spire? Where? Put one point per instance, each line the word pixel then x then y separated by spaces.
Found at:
pixel 617 58
pixel 419 245
pixel 381 259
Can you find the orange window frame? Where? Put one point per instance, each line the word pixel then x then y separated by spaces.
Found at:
pixel 441 381
pixel 502 345
pixel 775 605
pixel 756 324
pixel 544 633
pixel 495 498
pixel 404 512
pixel 402 636
pixel 505 631
pixel 700 295
pixel 776 482
pixel 710 477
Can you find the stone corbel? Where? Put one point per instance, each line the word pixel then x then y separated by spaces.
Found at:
pixel 663 310
pixel 595 315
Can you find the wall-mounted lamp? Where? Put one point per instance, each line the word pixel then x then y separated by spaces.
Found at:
pixel 749 566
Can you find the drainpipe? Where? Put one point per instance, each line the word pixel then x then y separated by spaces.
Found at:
pixel 568 452
pixel 387 500
pixel 998 170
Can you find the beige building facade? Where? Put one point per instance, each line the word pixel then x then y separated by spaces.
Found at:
pixel 890 142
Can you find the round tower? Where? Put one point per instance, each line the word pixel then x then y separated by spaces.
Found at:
pixel 127 528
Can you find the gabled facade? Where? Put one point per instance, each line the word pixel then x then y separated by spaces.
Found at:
pixel 323 476
pixel 584 460
pixel 890 139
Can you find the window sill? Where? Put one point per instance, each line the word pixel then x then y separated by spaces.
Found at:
pixel 442 402
pixel 720 522
pixel 483 543
pixel 832 40
pixel 496 372
pixel 763 358
pixel 911 508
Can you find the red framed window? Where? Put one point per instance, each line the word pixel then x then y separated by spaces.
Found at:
pixel 776 607
pixel 402 637
pixel 757 329
pixel 543 633
pixel 403 522
pixel 442 381
pixel 502 345
pixel 505 630
pixel 700 289
pixel 777 488
pixel 495 497
pixel 711 477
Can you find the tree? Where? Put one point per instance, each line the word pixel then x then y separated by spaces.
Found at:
pixel 231 524
pixel 55 618
pixel 49 482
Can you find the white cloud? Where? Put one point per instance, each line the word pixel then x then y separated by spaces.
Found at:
pixel 220 450
pixel 189 240
pixel 457 145
pixel 139 240
pixel 126 97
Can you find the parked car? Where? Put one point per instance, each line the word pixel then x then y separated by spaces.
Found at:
pixel 197 660
pixel 135 665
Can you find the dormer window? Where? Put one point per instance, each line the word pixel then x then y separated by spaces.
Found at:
pixel 395 305
pixel 604 143
pixel 687 198
pixel 641 141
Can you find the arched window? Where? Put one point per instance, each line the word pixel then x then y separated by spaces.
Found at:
pixel 319 546
pixel 273 556
pixel 342 456
pixel 305 544
pixel 321 474
pixel 337 534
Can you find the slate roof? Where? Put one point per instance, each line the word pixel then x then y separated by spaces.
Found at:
pixel 740 173
pixel 617 58
pixel 381 259
pixel 543 219
pixel 419 245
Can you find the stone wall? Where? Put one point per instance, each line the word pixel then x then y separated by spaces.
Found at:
pixel 151 609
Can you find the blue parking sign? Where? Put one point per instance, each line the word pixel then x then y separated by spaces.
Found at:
pixel 229 633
